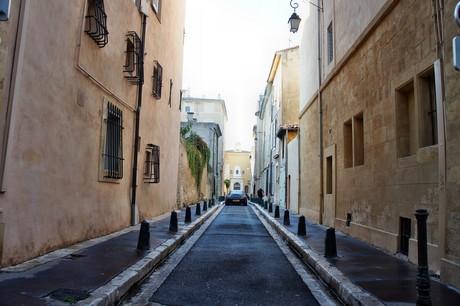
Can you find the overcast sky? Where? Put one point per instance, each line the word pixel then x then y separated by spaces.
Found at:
pixel 229 48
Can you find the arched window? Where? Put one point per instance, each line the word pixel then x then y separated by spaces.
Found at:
pixel 236 186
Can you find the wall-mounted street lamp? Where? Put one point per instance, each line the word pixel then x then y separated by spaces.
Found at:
pixel 294 20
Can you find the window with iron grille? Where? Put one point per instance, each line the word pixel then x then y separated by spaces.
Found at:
pixel 330 44
pixel 157 80
pixel 152 164
pixel 133 60
pixel 113 146
pixel 96 22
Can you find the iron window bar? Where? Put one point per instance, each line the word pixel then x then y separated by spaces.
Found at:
pixel 96 22
pixel 113 150
pixel 157 80
pixel 133 62
pixel 152 164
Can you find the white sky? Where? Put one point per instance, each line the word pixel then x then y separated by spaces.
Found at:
pixel 229 48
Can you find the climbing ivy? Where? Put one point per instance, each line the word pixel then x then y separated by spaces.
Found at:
pixel 198 153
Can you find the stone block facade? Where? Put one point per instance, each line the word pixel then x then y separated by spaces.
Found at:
pixel 379 104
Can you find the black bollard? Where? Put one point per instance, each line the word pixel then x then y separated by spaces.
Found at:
pixel 143 243
pixel 423 278
pixel 198 209
pixel 205 205
pixel 270 207
pixel 330 249
pixel 173 227
pixel 302 227
pixel 210 203
pixel 188 215
pixel 286 220
pixel 277 211
pixel 265 204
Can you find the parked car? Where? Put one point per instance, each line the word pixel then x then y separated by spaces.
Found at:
pixel 236 197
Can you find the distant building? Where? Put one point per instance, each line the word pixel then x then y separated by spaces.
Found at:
pixel 208 118
pixel 79 156
pixel 237 170
pixel 275 170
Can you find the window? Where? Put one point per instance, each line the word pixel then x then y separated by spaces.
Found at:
pixel 428 120
pixel 329 175
pixel 170 91
pixel 113 144
pixel 156 5
pixel 133 60
pixel 416 114
pixel 5 10
pixel 237 186
pixel 406 134
pixel 353 135
pixel 96 22
pixel 237 172
pixel 152 164
pixel 404 233
pixel 330 44
pixel 157 80
pixel 242 172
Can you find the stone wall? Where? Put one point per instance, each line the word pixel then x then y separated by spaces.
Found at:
pixel 187 192
pixel 374 185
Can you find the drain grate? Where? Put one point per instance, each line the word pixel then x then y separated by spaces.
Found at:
pixel 75 256
pixel 69 295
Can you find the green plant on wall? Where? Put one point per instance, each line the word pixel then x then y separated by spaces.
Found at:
pixel 198 153
pixel 227 184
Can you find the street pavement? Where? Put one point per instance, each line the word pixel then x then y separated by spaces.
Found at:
pixel 102 270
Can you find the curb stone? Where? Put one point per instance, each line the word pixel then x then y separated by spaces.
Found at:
pixel 347 291
pixel 115 289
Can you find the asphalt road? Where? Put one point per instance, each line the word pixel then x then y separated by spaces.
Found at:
pixel 233 261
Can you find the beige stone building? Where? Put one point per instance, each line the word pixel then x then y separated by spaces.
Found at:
pixel 277 125
pixel 237 169
pixel 90 90
pixel 379 125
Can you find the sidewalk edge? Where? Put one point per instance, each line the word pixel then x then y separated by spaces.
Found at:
pixel 115 289
pixel 349 292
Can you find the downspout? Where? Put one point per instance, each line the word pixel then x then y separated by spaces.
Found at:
pixel 13 88
pixel 320 118
pixel 438 8
pixel 138 116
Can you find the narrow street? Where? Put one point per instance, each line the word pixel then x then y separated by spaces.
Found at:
pixel 232 261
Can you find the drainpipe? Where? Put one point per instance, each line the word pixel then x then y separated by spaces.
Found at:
pixel 138 116
pixel 438 8
pixel 14 85
pixel 320 118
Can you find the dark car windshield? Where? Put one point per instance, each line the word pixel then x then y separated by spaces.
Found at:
pixel 236 192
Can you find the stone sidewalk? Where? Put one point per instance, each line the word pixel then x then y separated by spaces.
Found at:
pixel 360 274
pixel 98 271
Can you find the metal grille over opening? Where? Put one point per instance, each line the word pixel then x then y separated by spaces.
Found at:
pixel 113 148
pixel 405 232
pixel 152 164
pixel 96 22
pixel 157 80
pixel 133 62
